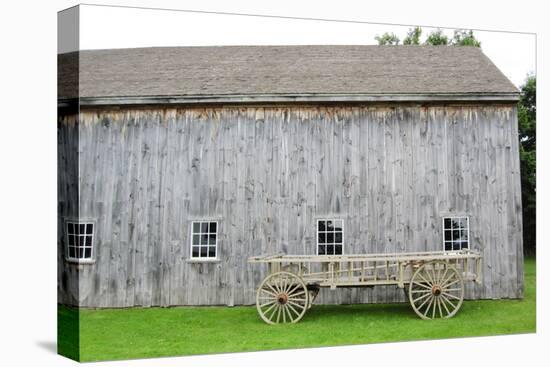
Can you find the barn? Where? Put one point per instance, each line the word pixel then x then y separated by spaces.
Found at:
pixel 176 164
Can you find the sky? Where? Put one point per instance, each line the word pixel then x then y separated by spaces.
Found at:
pixel 115 27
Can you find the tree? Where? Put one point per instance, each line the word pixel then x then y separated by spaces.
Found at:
pixel 413 36
pixel 437 38
pixel 463 37
pixel 387 39
pixel 527 124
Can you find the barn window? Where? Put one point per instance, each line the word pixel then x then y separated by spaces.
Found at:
pixel 80 241
pixel 204 239
pixel 456 233
pixel 330 236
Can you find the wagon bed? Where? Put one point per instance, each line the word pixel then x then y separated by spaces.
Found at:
pixel 433 281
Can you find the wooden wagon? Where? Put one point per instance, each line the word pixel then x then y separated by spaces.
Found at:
pixel 433 281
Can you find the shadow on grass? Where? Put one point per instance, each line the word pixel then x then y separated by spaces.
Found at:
pixel 343 312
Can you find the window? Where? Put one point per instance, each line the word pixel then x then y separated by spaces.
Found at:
pixel 80 240
pixel 456 233
pixel 204 240
pixel 330 236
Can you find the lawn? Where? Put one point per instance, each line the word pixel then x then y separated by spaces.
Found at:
pixel 154 332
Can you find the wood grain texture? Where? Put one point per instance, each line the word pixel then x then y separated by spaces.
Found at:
pixel 266 174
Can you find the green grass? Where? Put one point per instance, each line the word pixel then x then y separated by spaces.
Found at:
pixel 154 332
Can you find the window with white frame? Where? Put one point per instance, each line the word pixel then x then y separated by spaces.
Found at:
pixel 330 236
pixel 80 241
pixel 456 233
pixel 204 240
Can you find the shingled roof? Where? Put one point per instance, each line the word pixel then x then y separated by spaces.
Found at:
pixel 282 73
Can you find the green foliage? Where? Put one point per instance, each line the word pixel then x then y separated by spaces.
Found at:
pixel 527 124
pixel 387 39
pixel 413 36
pixel 437 38
pixel 463 37
pixel 155 332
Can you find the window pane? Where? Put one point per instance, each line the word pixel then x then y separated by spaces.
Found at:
pixel 463 222
pixel 338 225
pixel 195 251
pixel 338 237
pixel 456 246
pixel 211 251
pixel 204 250
pixel 322 250
pixel 321 226
pixel 448 246
pixel 196 239
pixel 204 227
pixel 330 249
pixel 447 223
pixel 464 235
pixel 330 237
pixel 70 228
pixel 212 240
pixel 72 252
pixel 81 241
pixel 89 241
pixel 338 250
pixel 88 253
pixel 330 225
pixel 456 223
pixel 456 234
pixel 464 244
pixel 448 235
pixel 321 238
pixel 82 228
pixel 71 240
pixel 196 227
pixel 89 228
pixel 204 239
pixel 213 227
pixel 80 253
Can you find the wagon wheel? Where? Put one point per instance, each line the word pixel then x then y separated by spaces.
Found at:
pixel 282 298
pixel 436 290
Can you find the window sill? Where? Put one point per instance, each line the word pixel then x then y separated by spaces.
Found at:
pixel 80 262
pixel 202 261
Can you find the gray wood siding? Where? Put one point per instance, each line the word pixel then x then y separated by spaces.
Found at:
pixel 267 173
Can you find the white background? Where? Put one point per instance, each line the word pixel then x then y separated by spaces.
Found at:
pixel 28 178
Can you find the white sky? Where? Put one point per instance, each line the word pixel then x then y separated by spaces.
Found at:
pixel 112 27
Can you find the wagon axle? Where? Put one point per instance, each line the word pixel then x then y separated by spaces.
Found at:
pixel 436 290
pixel 282 298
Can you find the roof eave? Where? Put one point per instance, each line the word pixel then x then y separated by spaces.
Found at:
pixel 292 98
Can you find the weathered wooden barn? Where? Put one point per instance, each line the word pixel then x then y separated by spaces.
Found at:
pixel 177 164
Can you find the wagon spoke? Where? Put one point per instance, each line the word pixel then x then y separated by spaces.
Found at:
pixel 293 310
pixel 421 297
pixel 429 304
pixel 433 307
pixel 268 292
pixel 267 303
pixel 439 306
pixel 442 301
pixel 451 295
pixel 452 289
pixel 283 307
pixel 422 285
pixel 424 279
pixel 450 284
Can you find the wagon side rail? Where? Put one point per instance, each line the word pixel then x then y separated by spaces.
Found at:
pixel 369 270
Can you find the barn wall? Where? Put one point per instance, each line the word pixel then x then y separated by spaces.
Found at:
pixel 266 173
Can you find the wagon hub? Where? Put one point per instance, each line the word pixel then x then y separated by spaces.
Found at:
pixel 436 290
pixel 282 298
